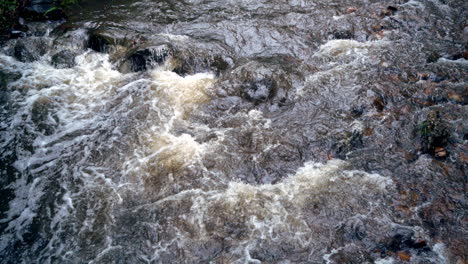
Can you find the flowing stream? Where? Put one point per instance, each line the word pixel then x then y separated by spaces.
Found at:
pixel 234 131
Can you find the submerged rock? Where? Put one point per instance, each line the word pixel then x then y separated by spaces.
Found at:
pixel 38 10
pixel 434 134
pixel 259 90
pixel 42 116
pixel 63 59
pixel 145 58
pixel 259 82
pixel 29 49
pixel 108 40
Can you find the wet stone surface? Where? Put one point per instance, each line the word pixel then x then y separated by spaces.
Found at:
pixel 236 132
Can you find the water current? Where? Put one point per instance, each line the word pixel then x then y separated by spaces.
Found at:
pixel 235 131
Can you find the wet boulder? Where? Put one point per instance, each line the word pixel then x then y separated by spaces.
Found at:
pixel 351 254
pixel 389 11
pixel 109 40
pixel 401 240
pixel 69 37
pixel 63 59
pixel 142 59
pixel 38 10
pixel 258 82
pixel 343 34
pixel 42 115
pixel 188 62
pixel 434 135
pixel 7 77
pixel 29 49
pixel 259 90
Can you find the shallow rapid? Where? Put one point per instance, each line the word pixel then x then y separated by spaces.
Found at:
pixel 238 131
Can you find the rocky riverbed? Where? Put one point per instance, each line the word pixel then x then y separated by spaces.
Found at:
pixel 239 131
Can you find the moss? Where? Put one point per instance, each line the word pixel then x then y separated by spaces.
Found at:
pixel 11 10
pixel 8 13
pixel 434 133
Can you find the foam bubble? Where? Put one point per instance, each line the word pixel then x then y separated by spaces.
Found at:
pixel 183 92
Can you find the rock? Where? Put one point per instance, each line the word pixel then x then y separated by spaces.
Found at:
pixel 191 62
pixel 63 59
pixel 350 254
pixel 259 90
pixel 379 104
pixel 454 97
pixel 204 251
pixel 434 134
pixel 258 83
pixel 433 57
pixel 352 142
pixel 343 34
pixel 440 152
pixel 108 40
pixel 357 111
pixel 70 37
pixel 56 14
pixel 390 11
pixel 145 58
pixel 29 49
pixel 460 55
pixel 7 77
pixel 405 256
pixel 42 116
pixel 4 80
pixel 353 229
pixel 38 10
pixel 351 10
pixel 40 6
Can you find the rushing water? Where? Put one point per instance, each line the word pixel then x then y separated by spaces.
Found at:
pixel 237 132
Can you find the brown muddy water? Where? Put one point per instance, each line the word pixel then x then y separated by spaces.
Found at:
pixel 235 131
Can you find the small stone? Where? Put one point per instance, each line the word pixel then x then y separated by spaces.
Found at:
pixel 405 256
pixel 351 10
pixel 455 97
pixel 343 34
pixel 63 59
pixel 440 152
pixel 259 91
pixel 379 104
pixel 390 11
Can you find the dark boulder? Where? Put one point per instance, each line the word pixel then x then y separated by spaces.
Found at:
pixel 259 90
pixel 69 37
pixel 38 10
pixel 143 59
pixel 63 59
pixel 258 82
pixel 343 34
pixel 434 134
pixel 108 40
pixel 6 78
pixel 29 49
pixel 401 240
pixel 40 6
pixel 193 61
pixel 350 254
pixel 42 115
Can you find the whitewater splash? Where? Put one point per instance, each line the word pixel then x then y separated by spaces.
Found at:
pixel 219 162
pixel 83 115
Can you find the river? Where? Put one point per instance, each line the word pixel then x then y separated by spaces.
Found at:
pixel 234 131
